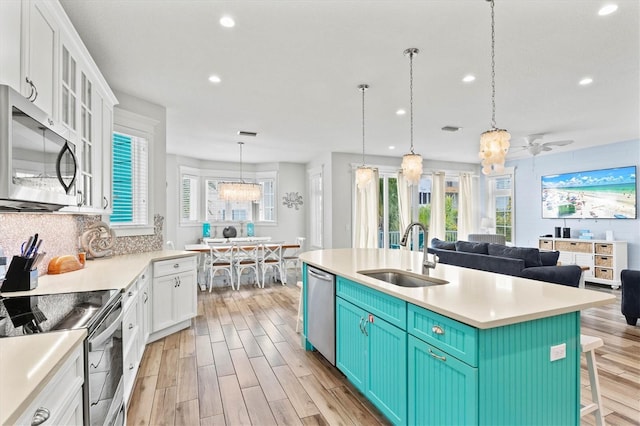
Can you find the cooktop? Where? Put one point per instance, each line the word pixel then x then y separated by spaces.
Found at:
pixel 52 312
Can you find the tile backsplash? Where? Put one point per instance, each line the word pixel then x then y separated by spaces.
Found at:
pixel 60 234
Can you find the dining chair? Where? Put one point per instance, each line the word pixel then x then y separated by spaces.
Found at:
pixel 246 257
pixel 221 258
pixel 292 258
pixel 271 259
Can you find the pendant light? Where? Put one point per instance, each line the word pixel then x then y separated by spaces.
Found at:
pixel 412 162
pixel 239 191
pixel 494 143
pixel 364 174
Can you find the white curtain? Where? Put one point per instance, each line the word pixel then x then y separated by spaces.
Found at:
pixel 404 203
pixel 365 233
pixel 437 220
pixel 466 206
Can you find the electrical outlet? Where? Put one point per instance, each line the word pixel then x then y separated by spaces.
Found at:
pixel 558 352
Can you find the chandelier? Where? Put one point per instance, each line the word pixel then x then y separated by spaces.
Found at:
pixel 494 143
pixel 412 162
pixel 364 174
pixel 239 191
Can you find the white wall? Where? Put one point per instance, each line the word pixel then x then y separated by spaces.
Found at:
pixel 529 224
pixel 291 223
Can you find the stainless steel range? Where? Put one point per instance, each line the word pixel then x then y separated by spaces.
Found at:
pixel 100 312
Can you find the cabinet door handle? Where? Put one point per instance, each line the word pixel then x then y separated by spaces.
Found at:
pixel 360 325
pixel 175 282
pixel 436 356
pixel 106 203
pixel 437 329
pixel 131 366
pixel 130 326
pixel 364 328
pixel 146 297
pixel 34 91
pixel 40 416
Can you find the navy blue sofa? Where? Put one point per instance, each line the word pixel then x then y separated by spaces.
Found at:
pixel 522 262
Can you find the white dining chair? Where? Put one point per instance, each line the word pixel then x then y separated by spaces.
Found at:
pixel 292 258
pixel 246 257
pixel 271 260
pixel 221 258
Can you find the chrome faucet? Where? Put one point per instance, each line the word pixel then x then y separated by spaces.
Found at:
pixel 426 263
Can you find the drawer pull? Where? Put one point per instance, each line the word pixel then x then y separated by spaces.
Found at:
pixel 437 329
pixel 441 358
pixel 176 265
pixel 130 293
pixel 40 416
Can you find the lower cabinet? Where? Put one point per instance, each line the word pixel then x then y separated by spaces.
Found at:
pixel 442 389
pixel 372 354
pixel 60 401
pixel 174 293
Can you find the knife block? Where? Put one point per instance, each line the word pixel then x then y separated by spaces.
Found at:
pixel 19 276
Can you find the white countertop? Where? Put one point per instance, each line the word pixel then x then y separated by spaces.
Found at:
pixel 477 298
pixel 116 272
pixel 28 362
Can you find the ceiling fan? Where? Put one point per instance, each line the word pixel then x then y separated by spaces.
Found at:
pixel 536 148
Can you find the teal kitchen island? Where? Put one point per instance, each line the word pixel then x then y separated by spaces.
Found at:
pixel 481 349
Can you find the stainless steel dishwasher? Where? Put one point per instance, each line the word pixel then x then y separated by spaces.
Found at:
pixel 321 317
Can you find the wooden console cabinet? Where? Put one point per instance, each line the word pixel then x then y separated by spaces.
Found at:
pixel 605 259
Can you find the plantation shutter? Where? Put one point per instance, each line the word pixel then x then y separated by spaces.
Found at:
pixel 122 180
pixel 189 202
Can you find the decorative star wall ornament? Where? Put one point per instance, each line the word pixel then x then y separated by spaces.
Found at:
pixel 292 199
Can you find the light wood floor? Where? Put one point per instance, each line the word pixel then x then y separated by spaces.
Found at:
pixel 241 363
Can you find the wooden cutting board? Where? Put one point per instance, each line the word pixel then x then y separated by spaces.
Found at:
pixel 63 264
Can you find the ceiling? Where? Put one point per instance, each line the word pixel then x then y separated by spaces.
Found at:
pixel 290 69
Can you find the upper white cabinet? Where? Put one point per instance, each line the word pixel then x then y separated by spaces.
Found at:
pixel 40 34
pixel 43 57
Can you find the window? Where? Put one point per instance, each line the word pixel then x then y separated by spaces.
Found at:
pixel 388 211
pixel 224 211
pixel 267 205
pixel 189 189
pixel 500 203
pixel 130 180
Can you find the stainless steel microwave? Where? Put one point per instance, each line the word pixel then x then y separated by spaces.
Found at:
pixel 38 166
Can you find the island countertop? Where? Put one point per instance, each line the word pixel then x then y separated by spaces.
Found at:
pixel 477 298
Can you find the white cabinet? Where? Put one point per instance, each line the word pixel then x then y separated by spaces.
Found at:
pixel 60 401
pixel 10 27
pixel 174 295
pixel 40 34
pixel 135 328
pixel 605 259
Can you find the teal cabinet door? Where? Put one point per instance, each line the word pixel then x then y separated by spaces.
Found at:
pixel 373 355
pixel 442 389
pixel 351 343
pixel 387 375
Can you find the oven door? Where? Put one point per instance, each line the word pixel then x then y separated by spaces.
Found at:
pixel 103 388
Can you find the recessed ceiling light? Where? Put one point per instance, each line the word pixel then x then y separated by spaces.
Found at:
pixel 401 112
pixel 227 22
pixel 214 79
pixel 607 9
pixel 392 147
pixel 585 81
pixel 469 78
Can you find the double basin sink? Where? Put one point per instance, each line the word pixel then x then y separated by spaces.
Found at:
pixel 402 278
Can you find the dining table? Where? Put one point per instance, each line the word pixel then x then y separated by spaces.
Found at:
pixel 205 248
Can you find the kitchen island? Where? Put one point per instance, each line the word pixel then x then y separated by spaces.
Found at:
pixel 483 348
pixel 28 363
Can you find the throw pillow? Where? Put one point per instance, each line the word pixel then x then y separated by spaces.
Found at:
pixel 469 247
pixel 531 256
pixel 549 258
pixel 443 245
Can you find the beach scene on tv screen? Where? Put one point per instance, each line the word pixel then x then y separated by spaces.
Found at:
pixel 594 194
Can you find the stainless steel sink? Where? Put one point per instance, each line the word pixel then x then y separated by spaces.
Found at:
pixel 402 278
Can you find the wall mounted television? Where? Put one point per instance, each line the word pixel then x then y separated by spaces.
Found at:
pixel 592 194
